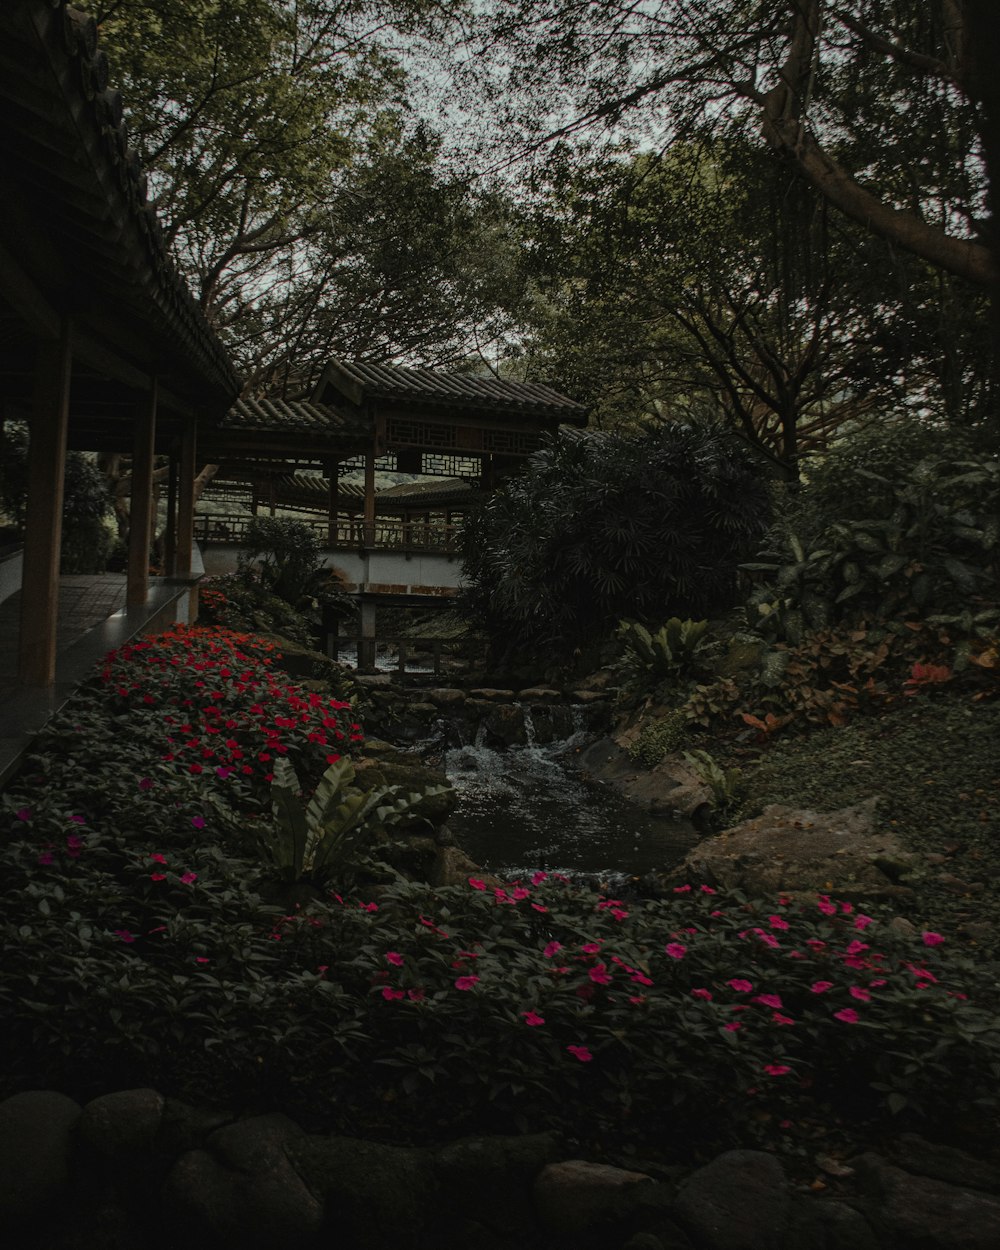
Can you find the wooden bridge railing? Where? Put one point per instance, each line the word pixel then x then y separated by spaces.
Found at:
pixel 346 533
pixel 407 650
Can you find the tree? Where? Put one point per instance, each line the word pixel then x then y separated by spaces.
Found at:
pixel 888 108
pixel 711 279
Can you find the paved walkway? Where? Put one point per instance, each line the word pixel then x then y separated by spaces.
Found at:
pixel 92 621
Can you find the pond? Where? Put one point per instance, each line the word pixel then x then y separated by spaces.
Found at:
pixel 529 807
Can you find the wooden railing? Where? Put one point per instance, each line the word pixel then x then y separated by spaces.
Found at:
pixel 347 533
pixel 407 650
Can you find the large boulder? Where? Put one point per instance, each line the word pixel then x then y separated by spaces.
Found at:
pixel 786 849
pixel 739 1201
pixel 36 1133
pixel 926 1214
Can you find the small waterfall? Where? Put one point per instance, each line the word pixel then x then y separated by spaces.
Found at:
pixel 527 807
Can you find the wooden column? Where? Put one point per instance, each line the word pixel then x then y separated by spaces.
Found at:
pixel 369 530
pixel 140 524
pixel 333 503
pixel 43 518
pixel 170 536
pixel 185 499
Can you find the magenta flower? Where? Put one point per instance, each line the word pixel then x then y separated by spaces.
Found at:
pixel 539 877
pixel 862 995
pixel 539 907
pixel 581 1053
pixel 189 878
pixel 78 820
pixel 931 939
pixel 591 948
pixel 394 957
pixel 820 987
pixel 157 876
pixel 198 822
pixel 675 950
pixel 416 996
pixel 368 906
pixel 158 858
pixel 466 983
pixel 777 922
pixel 389 994
pixel 45 858
pixel 477 884
pixel 640 978
pixel 200 959
pixel 532 1018
pixel 826 907
pixel 777 1069
pixel 848 1015
pixel 520 893
pixel 862 922
pixel 703 994
pixel 778 1018
pixel 23 813
pixel 682 889
pixel 551 949
pixel 124 935
pixel 740 986
pixel 599 974
pixel 768 1000
pixel 732 1026
pixel 707 889
pixel 73 846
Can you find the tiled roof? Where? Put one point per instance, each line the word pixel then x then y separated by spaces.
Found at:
pixel 296 417
pixel 360 383
pixel 65 156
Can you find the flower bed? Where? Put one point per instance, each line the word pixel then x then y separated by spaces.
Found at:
pixel 141 949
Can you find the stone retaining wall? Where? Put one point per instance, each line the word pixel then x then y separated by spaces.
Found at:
pixel 136 1171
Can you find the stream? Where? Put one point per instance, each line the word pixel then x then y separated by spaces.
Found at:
pixel 529 807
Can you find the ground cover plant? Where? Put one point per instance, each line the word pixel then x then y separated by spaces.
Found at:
pixel 144 944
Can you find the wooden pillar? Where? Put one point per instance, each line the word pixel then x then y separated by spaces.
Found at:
pixel 140 508
pixel 185 499
pixel 369 531
pixel 170 536
pixel 366 643
pixel 43 518
pixel 333 503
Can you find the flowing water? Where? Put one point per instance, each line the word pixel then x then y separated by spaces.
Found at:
pixel 528 807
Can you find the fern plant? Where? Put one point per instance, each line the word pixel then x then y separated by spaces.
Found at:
pixel 724 784
pixel 319 839
pixel 666 654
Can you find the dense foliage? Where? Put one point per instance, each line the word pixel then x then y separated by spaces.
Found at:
pixel 608 526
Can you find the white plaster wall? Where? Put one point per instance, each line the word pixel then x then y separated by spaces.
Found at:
pixel 11 569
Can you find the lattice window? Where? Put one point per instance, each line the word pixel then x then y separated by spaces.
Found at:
pixel 400 432
pixel 510 442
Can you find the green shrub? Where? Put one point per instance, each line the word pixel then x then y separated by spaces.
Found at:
pixel 659 738
pixel 665 655
pixel 604 527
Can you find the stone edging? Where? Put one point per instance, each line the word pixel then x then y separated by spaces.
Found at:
pixel 133 1170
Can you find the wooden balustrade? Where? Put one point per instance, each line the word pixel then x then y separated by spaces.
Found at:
pixel 347 533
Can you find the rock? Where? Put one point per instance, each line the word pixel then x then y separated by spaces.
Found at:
pixel 482 1174
pixel 791 850
pixel 945 1163
pixel 123 1123
pixel 412 776
pixel 242 1190
pixel 504 725
pixel 539 694
pixel 445 697
pixel 453 867
pixel 183 1127
pixel 739 1201
pixel 376 1195
pixel 491 695
pixel 590 696
pixel 825 1224
pixel 36 1130
pixel 574 1197
pixel 926 1214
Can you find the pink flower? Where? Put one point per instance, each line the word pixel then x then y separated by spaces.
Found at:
pixel 640 978
pixel 416 996
pixel 682 889
pixel 777 922
pixel 848 1015
pixel 368 906
pixel 862 921
pixel 466 983
pixel 551 949
pixel 189 878
pixel 23 813
pixel 826 907
pixel 778 1018
pixel 862 995
pixel 477 884
pixel 776 1069
pixel 591 948
pixel 856 947
pixel 703 994
pixel 78 820
pixel 200 959
pixel 198 822
pixel 124 935
pixel 768 1000
pixel 390 995
pixel 145 783
pixel 740 986
pixel 820 987
pixel 732 1026
pixel 599 974
pixel 581 1053
pixel 815 944
pixel 539 907
pixel 675 950
pixel 707 889
pixel 931 939
pixel 394 957
pixel 532 1018
pixel 157 876
pixel 539 877
pixel 520 893
pixel 158 858
pixel 45 858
